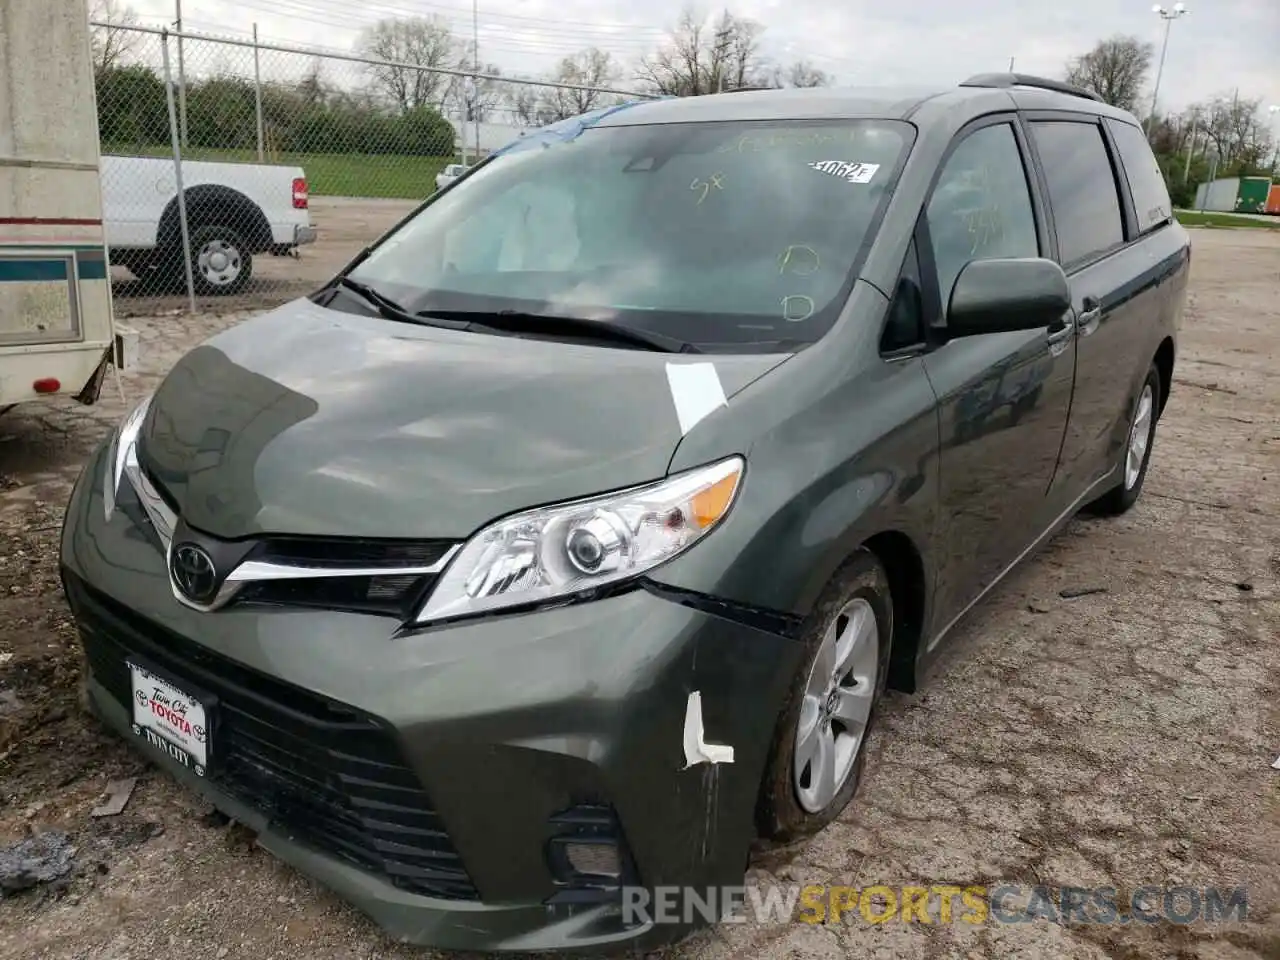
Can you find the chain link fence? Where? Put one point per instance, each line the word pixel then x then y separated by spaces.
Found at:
pixel 237 173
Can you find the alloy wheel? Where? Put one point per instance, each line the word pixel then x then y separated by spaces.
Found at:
pixel 837 705
pixel 1139 437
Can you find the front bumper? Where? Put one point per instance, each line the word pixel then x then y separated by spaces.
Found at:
pixel 505 723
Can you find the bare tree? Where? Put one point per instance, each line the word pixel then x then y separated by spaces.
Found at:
pixel 1116 70
pixel 312 87
pixel 697 58
pixel 113 42
pixel 804 74
pixel 740 65
pixel 486 96
pixel 591 67
pixel 1236 130
pixel 527 105
pixel 423 45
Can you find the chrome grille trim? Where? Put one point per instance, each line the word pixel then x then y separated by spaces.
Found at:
pixel 164 520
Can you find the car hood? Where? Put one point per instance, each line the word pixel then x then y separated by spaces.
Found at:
pixel 316 422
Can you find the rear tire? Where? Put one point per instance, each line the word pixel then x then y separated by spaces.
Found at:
pixel 221 264
pixel 1137 450
pixel 832 706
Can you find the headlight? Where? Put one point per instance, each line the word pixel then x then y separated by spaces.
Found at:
pixel 120 450
pixel 562 550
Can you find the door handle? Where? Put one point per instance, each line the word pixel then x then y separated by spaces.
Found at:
pixel 1058 336
pixel 1089 316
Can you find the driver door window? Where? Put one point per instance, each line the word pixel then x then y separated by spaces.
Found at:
pixel 981 206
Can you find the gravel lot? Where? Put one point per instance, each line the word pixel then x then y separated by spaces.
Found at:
pixel 1120 738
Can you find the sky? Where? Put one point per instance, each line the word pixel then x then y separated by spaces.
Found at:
pixel 1221 45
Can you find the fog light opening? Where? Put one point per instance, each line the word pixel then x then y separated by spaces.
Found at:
pixel 588 857
pixel 594 859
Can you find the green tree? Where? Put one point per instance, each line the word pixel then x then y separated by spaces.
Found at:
pixel 133 113
pixel 221 114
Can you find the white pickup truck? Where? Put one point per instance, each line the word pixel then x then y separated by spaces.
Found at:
pixel 234 211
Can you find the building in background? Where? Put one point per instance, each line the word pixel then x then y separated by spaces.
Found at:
pixel 492 136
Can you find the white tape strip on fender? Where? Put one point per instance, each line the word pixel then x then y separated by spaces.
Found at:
pixel 696 749
pixel 695 390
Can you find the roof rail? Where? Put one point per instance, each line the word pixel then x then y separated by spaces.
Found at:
pixel 1006 80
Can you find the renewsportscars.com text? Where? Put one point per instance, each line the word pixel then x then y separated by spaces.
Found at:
pixel 934 904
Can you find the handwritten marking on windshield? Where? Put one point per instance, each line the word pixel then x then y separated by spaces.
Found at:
pixel 746 143
pixel 797 303
pixel 715 182
pixel 801 258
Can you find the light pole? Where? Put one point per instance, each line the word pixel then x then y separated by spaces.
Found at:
pixel 1168 16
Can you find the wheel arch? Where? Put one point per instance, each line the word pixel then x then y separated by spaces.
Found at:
pixel 904 565
pixel 1164 365
pixel 212 204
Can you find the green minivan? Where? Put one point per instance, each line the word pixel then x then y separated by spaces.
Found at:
pixel 566 542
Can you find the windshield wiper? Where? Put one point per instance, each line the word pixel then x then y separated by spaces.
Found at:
pixel 515 321
pixel 391 310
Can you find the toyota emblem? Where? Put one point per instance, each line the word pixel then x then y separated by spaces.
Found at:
pixel 193 573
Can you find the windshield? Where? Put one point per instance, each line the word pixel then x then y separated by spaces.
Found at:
pixel 716 234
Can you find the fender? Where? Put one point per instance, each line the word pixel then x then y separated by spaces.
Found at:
pixel 216 204
pixel 854 455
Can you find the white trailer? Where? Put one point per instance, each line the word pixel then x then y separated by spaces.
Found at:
pixel 1218 195
pixel 57 333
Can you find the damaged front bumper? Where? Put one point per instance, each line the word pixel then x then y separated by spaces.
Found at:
pixel 489 785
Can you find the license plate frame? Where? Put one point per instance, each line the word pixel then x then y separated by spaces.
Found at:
pixel 174 716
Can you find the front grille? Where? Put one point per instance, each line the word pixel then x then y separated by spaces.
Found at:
pixel 344 552
pixel 397 595
pixel 328 775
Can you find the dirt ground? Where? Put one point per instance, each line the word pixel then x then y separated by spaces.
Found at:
pixel 1120 738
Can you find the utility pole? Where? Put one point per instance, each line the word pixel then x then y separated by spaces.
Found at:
pixel 1273 112
pixel 462 121
pixel 1191 146
pixel 182 77
pixel 257 91
pixel 475 44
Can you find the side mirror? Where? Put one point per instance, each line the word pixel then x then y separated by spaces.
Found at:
pixel 996 296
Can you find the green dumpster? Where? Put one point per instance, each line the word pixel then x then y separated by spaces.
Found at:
pixel 1252 195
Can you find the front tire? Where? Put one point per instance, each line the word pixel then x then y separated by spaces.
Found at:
pixel 1137 450
pixel 819 746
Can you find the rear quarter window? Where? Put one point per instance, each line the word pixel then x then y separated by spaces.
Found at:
pixel 1146 182
pixel 1082 188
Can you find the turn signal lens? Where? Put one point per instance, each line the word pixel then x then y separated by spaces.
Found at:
pixel 712 503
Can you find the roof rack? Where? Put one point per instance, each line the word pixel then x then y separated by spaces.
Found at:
pixel 1006 80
